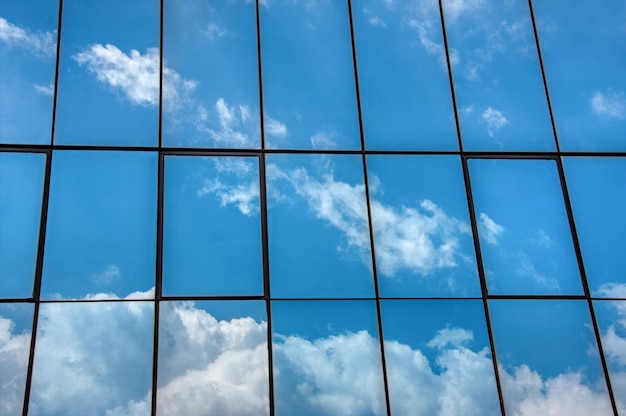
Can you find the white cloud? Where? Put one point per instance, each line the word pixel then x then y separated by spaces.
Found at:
pixel 466 111
pixel 274 128
pixel 94 358
pixel 542 238
pixel 425 29
pixel 244 196
pixel 373 19
pixel 112 272
pixel 42 45
pixel 495 120
pixel 489 229
pixel 14 349
pixel 457 8
pixel 213 30
pixel 420 239
pixel 136 75
pixel 527 270
pixel 45 89
pixel 323 140
pixel 236 125
pixel 610 104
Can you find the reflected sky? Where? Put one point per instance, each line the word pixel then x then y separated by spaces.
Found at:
pixel 525 237
pixel 101 224
pixel 584 60
pixel 598 200
pixel 611 316
pixel 21 187
pixel 28 40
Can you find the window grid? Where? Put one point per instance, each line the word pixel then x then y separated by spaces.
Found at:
pixel 556 156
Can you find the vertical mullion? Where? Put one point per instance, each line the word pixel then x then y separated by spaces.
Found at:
pixel 159 225
pixel 381 337
pixel 585 283
pixel 43 221
pixel 482 278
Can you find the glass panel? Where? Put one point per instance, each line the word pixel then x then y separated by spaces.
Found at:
pixel 28 48
pixel 499 90
pixel 101 224
pixel 212 233
pixel 423 239
pixel 403 75
pixel 585 70
pixel 210 80
pixel 93 358
pixel 548 358
pixel 308 75
pixel 15 328
pixel 426 357
pixel 213 359
pixel 318 232
pixel 327 358
pixel 611 318
pixel 598 196
pixel 21 185
pixel 525 237
pixel 109 73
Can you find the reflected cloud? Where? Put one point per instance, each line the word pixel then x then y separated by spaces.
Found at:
pixel 45 89
pixel 220 366
pixel 609 104
pixel 112 272
pixel 41 45
pixel 495 120
pixel 489 229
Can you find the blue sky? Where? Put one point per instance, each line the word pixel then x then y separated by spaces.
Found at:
pixel 101 230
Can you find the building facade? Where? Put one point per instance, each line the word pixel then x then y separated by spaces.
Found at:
pixel 312 207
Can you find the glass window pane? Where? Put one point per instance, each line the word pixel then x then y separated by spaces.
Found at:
pixel 213 359
pixel 548 358
pixel 109 73
pixel 585 60
pixel 327 358
pixel 21 186
pixel 403 75
pixel 308 75
pixel 318 232
pixel 441 365
pixel 611 318
pixel 212 230
pixel 525 237
pixel 15 329
pixel 93 358
pixel 497 78
pixel 423 240
pixel 598 196
pixel 28 48
pixel 210 80
pixel 101 224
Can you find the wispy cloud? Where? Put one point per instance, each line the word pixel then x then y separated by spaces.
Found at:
pixel 489 229
pixel 112 272
pixel 609 104
pixel 136 75
pixel 213 30
pixel 40 44
pixel 495 120
pixel 45 89
pixel 373 19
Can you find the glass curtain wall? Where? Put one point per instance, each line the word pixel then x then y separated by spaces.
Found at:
pixel 320 207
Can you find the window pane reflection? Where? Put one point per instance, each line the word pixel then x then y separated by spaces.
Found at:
pixel 101 224
pixel 109 73
pixel 318 231
pixel 497 78
pixel 212 232
pixel 21 186
pixel 28 47
pixel 327 358
pixel 548 358
pixel 525 237
pixel 422 236
pixel 210 79
pixel 308 74
pixel 93 358
pixel 403 75
pixel 598 199
pixel 611 318
pixel 583 53
pixel 15 329
pixel 213 359
pixel 427 357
